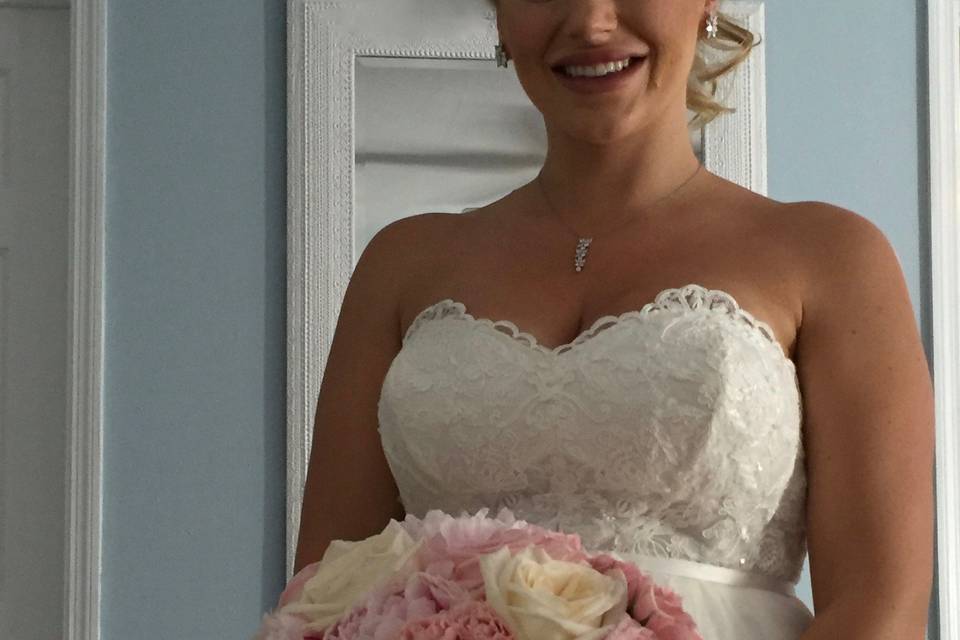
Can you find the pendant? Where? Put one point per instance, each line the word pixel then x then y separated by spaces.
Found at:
pixel 581 256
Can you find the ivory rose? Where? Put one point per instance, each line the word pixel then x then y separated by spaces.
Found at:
pixel 541 598
pixel 349 571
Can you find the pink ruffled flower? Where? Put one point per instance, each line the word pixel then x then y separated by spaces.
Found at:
pixel 630 629
pixel 453 545
pixel 661 608
pixel 386 611
pixel 470 620
pixel 440 590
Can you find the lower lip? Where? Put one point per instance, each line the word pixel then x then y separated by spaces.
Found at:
pixel 602 84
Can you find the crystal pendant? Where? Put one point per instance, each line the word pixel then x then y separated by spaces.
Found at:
pixel 581 256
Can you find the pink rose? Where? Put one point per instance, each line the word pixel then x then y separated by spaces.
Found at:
pixel 659 608
pixel 630 629
pixel 637 581
pixel 655 606
pixel 470 620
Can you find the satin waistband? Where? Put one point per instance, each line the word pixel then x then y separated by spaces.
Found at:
pixel 711 572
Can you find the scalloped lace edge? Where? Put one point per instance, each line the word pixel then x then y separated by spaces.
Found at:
pixel 669 298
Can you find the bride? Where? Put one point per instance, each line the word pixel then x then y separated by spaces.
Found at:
pixel 706 381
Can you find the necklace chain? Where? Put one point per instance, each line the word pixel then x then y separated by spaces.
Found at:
pixel 583 243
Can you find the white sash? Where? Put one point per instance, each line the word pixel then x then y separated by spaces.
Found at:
pixel 703 571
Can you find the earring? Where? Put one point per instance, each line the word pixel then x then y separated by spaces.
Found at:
pixel 501 56
pixel 713 26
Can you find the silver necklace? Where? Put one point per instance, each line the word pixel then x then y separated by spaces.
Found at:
pixel 583 243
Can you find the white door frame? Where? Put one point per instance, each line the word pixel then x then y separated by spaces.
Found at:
pixel 84 365
pixel 944 81
pixel 88 103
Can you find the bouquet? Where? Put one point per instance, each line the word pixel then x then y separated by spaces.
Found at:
pixel 473 578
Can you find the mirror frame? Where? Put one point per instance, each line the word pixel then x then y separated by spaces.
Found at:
pixel 324 39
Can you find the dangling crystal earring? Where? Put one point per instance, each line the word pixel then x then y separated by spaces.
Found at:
pixel 713 24
pixel 501 56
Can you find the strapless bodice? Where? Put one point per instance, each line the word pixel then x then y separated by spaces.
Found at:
pixel 673 430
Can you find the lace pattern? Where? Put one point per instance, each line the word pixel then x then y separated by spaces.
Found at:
pixel 673 430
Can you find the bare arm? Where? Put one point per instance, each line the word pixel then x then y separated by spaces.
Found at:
pixel 350 493
pixel 869 436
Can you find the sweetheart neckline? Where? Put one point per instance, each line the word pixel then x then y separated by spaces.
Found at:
pixel 662 299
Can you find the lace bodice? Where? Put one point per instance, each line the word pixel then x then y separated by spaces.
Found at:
pixel 673 430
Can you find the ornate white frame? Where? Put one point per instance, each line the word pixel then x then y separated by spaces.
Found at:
pixel 944 80
pixel 324 38
pixel 88 103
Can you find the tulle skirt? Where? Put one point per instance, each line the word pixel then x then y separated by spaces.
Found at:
pixel 728 604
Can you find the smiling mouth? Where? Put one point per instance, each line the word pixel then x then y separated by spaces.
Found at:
pixel 634 60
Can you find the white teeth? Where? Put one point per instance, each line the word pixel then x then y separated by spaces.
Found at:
pixel 597 70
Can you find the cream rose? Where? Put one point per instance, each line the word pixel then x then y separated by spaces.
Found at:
pixel 350 570
pixel 545 599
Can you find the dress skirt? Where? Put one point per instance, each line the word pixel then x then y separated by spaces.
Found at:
pixel 729 604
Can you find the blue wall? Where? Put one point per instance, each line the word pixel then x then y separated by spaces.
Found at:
pixel 194 447
pixel 195 337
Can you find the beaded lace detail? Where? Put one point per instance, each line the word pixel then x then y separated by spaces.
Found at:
pixel 673 430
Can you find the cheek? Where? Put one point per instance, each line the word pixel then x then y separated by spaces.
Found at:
pixel 526 32
pixel 669 57
pixel 671 67
pixel 670 28
pixel 674 53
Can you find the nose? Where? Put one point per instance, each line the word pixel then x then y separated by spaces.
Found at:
pixel 592 20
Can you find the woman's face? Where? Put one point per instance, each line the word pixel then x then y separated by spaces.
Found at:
pixel 537 34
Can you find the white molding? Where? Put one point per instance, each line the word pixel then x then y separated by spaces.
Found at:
pixel 84 482
pixel 324 39
pixel 944 81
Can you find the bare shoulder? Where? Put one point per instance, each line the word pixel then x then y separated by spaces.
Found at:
pixel 403 249
pixel 825 218
pixel 820 239
pixel 816 257
pixel 803 220
pixel 852 279
pixel 409 237
pixel 402 255
pixel 839 249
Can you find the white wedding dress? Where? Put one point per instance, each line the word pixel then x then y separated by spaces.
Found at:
pixel 670 435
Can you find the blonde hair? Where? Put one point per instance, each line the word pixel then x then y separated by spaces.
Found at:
pixel 733 44
pixel 714 58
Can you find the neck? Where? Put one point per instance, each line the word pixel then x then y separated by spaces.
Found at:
pixel 592 184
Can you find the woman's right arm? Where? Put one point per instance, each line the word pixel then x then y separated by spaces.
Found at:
pixel 350 493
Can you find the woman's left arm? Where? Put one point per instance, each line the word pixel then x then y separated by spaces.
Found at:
pixel 868 429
